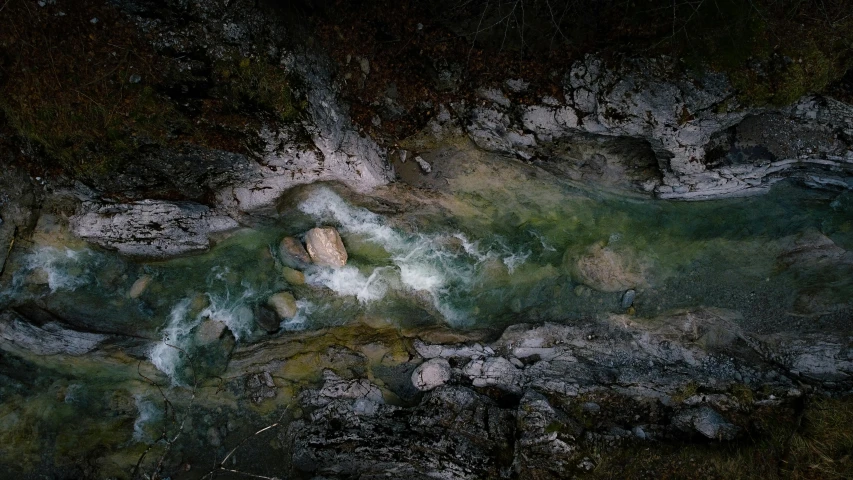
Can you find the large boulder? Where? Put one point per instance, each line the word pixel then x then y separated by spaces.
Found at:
pixel 150 228
pixel 326 247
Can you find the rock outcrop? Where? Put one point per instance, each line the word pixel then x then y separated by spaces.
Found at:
pixel 540 401
pixel 150 228
pixel 50 338
pixel 703 143
pixel 321 144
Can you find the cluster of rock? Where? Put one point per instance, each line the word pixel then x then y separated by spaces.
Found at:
pixel 544 401
pixel 699 143
pixel 323 247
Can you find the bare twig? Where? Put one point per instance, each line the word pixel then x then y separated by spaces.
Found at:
pixel 220 466
pixel 8 250
pixel 167 407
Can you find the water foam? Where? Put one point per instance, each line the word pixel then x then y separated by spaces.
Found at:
pixel 304 309
pixel 177 341
pixel 166 354
pixel 65 269
pixel 233 312
pixel 425 263
pixel 149 412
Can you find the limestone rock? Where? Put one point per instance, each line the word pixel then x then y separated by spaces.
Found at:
pixel 431 374
pixel 50 338
pixel 150 228
pixel 603 269
pixel 292 253
pixel 495 371
pixel 284 305
pixel 326 247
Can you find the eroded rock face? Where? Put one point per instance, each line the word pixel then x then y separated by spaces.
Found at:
pixel 48 339
pixel 450 435
pixel 326 247
pixel 704 144
pixel 150 228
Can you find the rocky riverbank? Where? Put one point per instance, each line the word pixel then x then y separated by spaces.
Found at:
pixel 507 293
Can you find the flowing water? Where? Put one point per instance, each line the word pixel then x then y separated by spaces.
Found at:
pixel 497 245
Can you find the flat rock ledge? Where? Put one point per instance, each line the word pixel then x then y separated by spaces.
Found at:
pixel 150 228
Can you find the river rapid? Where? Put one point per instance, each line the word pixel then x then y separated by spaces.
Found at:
pixel 493 243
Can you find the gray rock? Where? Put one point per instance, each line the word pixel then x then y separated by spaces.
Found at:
pixel 628 298
pixel 260 387
pixel 706 421
pixel 139 286
pixel 495 371
pixel 337 388
pixel 325 247
pixel 431 374
pixel 46 339
pixel 702 144
pixel 448 436
pixel 423 164
pixel 547 439
pixel 150 228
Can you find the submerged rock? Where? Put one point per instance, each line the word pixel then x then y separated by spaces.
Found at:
pixel 209 331
pixel 139 286
pixel 293 254
pixel 431 374
pixel 603 269
pixel 293 277
pixel 326 247
pixel 628 298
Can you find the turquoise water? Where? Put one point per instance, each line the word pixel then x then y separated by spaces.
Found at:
pixel 500 265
